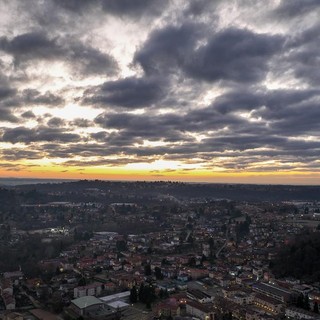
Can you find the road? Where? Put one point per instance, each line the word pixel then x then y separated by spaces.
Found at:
pixel 224 245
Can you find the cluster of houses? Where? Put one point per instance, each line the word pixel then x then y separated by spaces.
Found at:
pixel 207 268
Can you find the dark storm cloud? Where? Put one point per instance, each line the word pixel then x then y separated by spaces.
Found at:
pixel 128 93
pixel 26 135
pixel 231 54
pixel 37 45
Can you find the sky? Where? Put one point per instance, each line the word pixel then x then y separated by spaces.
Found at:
pixel 202 90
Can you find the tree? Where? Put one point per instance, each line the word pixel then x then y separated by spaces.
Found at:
pixel 149 295
pixel 82 282
pixel 133 295
pixel 141 293
pixel 158 273
pixel 211 246
pixel 147 270
pixel 300 300
pixel 121 245
pixel 192 261
pixel 306 304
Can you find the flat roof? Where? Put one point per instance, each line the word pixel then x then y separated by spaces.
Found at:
pixel 272 289
pixel 86 301
pixel 116 296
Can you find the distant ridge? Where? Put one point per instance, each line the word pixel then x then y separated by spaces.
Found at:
pixel 22 181
pixel 176 191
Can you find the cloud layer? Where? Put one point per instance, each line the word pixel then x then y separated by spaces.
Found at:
pixel 193 85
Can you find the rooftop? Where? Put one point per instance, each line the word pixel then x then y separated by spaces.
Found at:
pixel 86 301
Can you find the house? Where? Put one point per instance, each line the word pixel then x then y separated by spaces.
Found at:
pixel 183 277
pixel 268 304
pixel 199 296
pixel 169 307
pixel 93 289
pixel 273 291
pixel 195 273
pixel 168 286
pixel 199 310
pixel 297 313
pixel 85 305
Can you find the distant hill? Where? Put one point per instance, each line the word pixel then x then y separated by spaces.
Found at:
pixel 186 191
pixel 24 181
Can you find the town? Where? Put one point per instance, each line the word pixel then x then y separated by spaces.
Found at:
pixel 119 252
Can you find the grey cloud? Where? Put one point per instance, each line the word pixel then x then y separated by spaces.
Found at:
pixel 6 92
pixel 31 96
pixel 198 7
pixel 78 6
pixel 245 142
pixel 15 154
pixel 32 45
pixel 91 60
pixel 128 93
pixel 6 95
pixel 234 54
pixel 37 45
pixel 168 48
pixel 12 99
pixel 252 99
pixel 231 54
pixel 303 54
pixel 122 8
pixel 56 122
pixel 81 123
pixel 26 135
pixel 28 115
pixel 135 8
pixel 294 8
pixel 6 115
